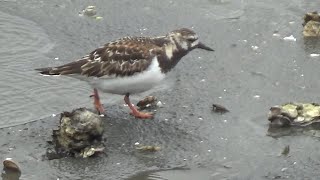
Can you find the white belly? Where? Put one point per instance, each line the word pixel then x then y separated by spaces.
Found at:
pixel 131 84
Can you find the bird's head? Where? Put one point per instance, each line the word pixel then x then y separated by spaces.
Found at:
pixel 186 39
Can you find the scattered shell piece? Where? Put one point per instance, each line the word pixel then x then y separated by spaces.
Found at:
pixel 290 38
pixel 314 55
pixel 256 96
pixel 276 34
pixel 148 101
pixel 90 151
pixel 159 104
pixel 10 164
pixel 254 47
pixel 56 58
pixel 219 108
pixel 89 11
pixel 148 148
pixel 11 170
pixel 284 169
pixel 98 17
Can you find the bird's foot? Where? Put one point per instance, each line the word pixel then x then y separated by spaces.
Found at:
pixel 96 102
pixel 141 115
pixel 134 111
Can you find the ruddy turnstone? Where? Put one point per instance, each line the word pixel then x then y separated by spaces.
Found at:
pixel 130 65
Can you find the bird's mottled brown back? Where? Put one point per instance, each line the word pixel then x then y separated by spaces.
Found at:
pixel 123 57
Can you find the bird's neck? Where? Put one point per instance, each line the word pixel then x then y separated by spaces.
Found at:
pixel 173 52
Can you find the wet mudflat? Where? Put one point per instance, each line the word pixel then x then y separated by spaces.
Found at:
pixel 252 69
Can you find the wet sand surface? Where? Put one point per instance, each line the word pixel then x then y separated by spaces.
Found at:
pixel 252 69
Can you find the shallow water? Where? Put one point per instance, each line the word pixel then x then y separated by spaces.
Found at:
pixel 25 94
pixel 252 69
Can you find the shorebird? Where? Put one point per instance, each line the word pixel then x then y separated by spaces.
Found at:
pixel 130 65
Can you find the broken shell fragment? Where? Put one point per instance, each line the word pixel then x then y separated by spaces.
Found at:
pixel 9 164
pixel 90 151
pixel 89 11
pixel 148 101
pixel 219 109
pixel 148 148
pixel 11 170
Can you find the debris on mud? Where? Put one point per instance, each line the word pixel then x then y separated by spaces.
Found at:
pixel 148 148
pixel 311 24
pixel 79 134
pixel 11 170
pixel 148 102
pixel 285 151
pixel 90 11
pixel 219 109
pixel 295 114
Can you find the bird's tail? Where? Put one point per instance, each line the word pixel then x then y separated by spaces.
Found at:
pixel 70 68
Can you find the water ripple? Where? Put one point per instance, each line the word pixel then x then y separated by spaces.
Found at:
pixel 25 95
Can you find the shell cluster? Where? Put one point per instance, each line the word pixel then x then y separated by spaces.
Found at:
pixel 79 133
pixel 301 114
pixel 311 24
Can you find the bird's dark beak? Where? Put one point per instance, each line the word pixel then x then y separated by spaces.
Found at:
pixel 202 46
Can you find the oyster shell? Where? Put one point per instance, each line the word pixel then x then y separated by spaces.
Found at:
pixel 298 114
pixel 78 132
pixel 311 25
pixel 11 170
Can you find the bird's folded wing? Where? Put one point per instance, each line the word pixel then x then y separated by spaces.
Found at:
pixel 119 58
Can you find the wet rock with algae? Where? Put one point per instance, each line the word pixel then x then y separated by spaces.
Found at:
pixel 79 133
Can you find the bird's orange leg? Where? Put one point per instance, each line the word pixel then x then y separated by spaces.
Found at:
pixel 96 101
pixel 134 110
